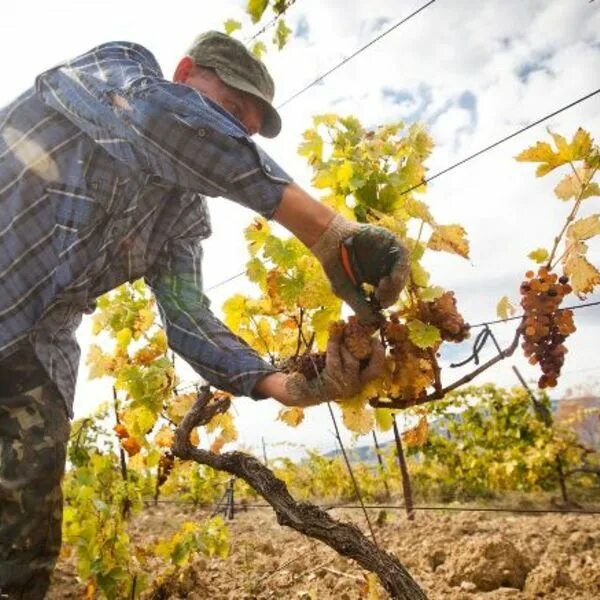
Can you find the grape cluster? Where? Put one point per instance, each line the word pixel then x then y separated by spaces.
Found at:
pixel 545 328
pixel 413 371
pixel 309 364
pixel 358 338
pixel 442 313
pixel 166 463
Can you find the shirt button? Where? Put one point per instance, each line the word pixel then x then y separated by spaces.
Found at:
pixel 201 132
pixel 267 167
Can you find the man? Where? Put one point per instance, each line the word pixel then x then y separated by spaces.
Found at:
pixel 104 166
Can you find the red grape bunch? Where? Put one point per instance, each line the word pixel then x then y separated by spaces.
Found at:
pixel 545 327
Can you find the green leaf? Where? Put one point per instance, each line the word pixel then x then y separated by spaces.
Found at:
pixel 258 50
pixel 540 255
pixel 281 35
pixel 256 8
pixel 431 293
pixel 423 335
pixel 256 271
pixel 384 419
pixel 231 25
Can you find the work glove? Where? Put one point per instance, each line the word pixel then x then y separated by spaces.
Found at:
pixel 342 376
pixel 378 253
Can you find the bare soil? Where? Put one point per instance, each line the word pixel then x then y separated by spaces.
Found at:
pixel 452 555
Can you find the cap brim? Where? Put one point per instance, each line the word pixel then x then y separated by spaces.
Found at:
pixel 271 125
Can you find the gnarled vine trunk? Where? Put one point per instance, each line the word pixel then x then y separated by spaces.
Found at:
pixel 344 538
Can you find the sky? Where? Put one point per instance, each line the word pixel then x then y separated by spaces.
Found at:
pixel 471 72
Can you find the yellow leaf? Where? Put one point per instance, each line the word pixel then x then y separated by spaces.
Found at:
pixel 357 415
pixel 418 210
pixel 577 185
pixel 581 144
pixel 583 275
pixel 224 423
pixel 100 363
pixel 164 437
pixel 540 255
pixel 542 152
pixel 344 174
pixel 180 405
pixel 123 338
pixel 505 308
pixel 417 436
pixel 450 238
pixel 324 179
pixel 291 416
pixel 584 229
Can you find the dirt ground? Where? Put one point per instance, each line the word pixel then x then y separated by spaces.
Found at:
pixel 452 555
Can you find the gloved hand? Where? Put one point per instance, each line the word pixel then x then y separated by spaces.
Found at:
pixel 368 240
pixel 342 376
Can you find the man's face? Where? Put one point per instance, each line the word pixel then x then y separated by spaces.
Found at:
pixel 244 107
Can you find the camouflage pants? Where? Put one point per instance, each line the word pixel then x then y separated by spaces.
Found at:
pixel 34 430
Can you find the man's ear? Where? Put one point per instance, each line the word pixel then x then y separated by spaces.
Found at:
pixel 183 70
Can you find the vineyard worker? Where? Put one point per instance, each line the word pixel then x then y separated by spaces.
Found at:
pixel 103 172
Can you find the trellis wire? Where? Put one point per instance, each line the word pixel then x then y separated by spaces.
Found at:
pixel 241 506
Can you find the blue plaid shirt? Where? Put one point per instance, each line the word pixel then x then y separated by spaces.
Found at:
pixel 104 166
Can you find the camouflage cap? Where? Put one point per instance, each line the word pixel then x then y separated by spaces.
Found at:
pixel 237 67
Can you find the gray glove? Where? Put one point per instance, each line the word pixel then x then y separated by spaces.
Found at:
pixel 342 376
pixel 371 245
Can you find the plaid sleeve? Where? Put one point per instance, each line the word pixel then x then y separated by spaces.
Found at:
pixel 116 94
pixel 219 356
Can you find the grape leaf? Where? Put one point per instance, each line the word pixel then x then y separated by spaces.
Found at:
pixel 256 8
pixel 577 185
pixel 256 234
pixel 258 49
pixel 312 147
pixel 539 255
pixel 256 271
pixel 505 308
pixel 164 437
pixel 416 436
pixel 542 152
pixel 282 32
pixel 234 311
pixel 583 275
pixel 423 335
pixel 291 416
pixel 584 229
pixel 357 415
pixel 431 293
pixel 384 418
pixel 450 238
pixel 231 25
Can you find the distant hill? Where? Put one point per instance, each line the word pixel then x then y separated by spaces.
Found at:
pixel 583 415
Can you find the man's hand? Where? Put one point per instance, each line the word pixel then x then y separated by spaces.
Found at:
pixel 323 231
pixel 342 376
pixel 376 250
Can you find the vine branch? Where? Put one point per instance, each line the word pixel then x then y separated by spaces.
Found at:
pixel 344 538
pixel 400 402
